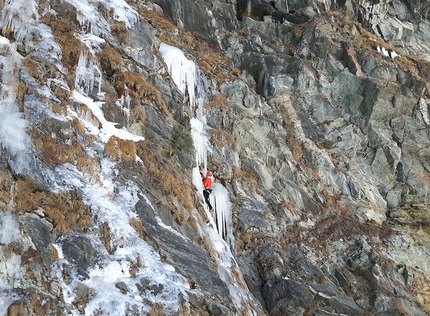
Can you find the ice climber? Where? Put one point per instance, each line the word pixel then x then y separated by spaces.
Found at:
pixel 207 183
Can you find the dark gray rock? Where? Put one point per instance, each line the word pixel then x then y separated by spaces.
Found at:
pixel 80 251
pixel 65 9
pixel 283 296
pixel 122 287
pixel 41 234
pixel 255 219
pixel 187 258
pixel 147 284
pixel 336 298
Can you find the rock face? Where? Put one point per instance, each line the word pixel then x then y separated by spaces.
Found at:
pixel 318 119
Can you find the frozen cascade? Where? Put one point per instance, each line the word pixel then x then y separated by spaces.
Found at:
pixel 201 144
pixel 183 73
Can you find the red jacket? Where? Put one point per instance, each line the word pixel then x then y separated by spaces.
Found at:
pixel 207 182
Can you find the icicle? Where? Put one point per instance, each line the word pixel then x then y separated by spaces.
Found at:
pixel 86 71
pixel 182 71
pixel 19 17
pixel 127 102
pixel 124 103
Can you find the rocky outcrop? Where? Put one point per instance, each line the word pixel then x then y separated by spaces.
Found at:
pixel 317 113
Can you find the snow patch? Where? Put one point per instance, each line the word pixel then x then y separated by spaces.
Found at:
pixel 114 204
pixel 107 129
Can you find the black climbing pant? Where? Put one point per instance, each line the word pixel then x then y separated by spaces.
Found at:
pixel 206 194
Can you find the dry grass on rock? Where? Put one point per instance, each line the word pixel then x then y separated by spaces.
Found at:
pixel 53 152
pixel 219 101
pixel 420 287
pixel 136 86
pixel 65 210
pixel 163 175
pixel 222 138
pixel 110 60
pixel 138 226
pixel 124 150
pixel 64 35
pixel 156 310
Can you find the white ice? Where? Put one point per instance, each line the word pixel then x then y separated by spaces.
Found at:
pixel 124 103
pixel 182 71
pixel 91 41
pixel 19 16
pixel 9 228
pixel 87 72
pixel 22 18
pixel 95 22
pixel 10 266
pixel 14 140
pixel 384 52
pixel 223 216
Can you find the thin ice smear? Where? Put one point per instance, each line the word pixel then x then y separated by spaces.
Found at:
pixel 107 129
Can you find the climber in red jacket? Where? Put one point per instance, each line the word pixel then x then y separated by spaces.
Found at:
pixel 207 183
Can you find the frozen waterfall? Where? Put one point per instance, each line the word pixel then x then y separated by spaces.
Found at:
pixel 186 75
